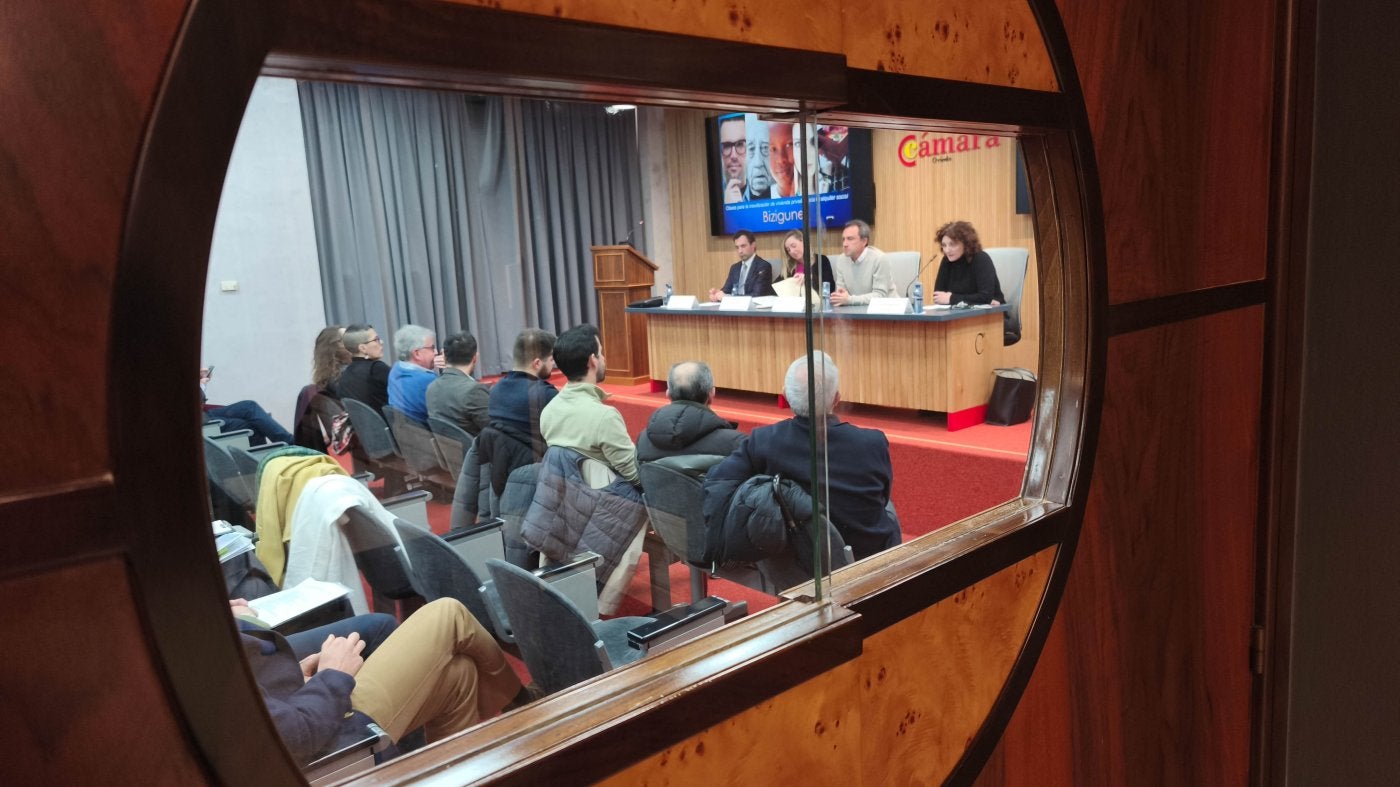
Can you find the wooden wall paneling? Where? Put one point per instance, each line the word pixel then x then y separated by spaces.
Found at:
pixel 84 704
pixel 886 718
pixel 1180 101
pixel 929 681
pixel 788 23
pixel 995 42
pixel 64 157
pixel 811 729
pixel 1155 622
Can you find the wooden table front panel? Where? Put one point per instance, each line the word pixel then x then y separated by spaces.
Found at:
pixel 914 364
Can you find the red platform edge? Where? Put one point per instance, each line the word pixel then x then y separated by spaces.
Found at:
pixel 962 419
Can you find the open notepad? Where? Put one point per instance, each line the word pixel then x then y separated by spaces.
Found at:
pixel 309 594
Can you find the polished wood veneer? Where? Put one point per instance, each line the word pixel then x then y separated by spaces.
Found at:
pixel 944 365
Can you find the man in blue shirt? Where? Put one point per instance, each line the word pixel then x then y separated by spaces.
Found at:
pixel 414 371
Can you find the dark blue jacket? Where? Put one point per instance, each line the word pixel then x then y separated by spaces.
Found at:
pixel 517 400
pixel 860 475
pixel 312 716
pixel 759 283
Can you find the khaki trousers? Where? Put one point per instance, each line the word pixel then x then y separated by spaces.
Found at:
pixel 440 670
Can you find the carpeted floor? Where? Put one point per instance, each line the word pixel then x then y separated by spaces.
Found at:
pixel 940 477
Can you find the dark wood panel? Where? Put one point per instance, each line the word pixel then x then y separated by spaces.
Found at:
pixel 1179 96
pixel 1148 669
pixel 83 702
pixel 79 78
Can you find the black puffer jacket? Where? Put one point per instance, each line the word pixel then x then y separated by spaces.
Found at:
pixel 682 428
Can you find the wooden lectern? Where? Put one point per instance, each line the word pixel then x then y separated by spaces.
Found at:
pixel 622 275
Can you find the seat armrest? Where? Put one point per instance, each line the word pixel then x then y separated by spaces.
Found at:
pixel 352 759
pixel 578 580
pixel 364 478
pixel 213 428
pixel 579 562
pixel 410 507
pixel 265 447
pixel 495 523
pixel 238 437
pixel 678 624
pixel 479 543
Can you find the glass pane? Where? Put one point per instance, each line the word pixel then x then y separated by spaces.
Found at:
pixel 666 314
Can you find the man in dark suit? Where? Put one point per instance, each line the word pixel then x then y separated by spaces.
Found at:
pixel 751 275
pixel 860 473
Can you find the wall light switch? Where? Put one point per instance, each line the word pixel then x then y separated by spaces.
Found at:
pixel 228 286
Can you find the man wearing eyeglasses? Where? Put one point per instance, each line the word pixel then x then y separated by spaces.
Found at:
pixel 366 379
pixel 733 151
pixel 414 371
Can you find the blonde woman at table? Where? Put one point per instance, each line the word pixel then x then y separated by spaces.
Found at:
pixel 794 263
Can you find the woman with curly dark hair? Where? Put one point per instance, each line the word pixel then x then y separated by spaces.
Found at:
pixel 329 358
pixel 966 273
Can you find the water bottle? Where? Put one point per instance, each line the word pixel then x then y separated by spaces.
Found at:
pixel 826 296
pixel 918 297
pixel 667 298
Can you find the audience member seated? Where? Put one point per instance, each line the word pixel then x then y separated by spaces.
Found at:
pixel 414 371
pixel 751 275
pixel 860 473
pixel 455 395
pixel 372 628
pixel 512 439
pixel 246 414
pixel 518 398
pixel 863 273
pixel 687 425
pixel 577 417
pixel 966 274
pixel 366 379
pixel 440 670
pixel 329 359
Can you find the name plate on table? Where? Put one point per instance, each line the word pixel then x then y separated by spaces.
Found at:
pixel 681 302
pixel 888 306
pixel 736 303
pixel 788 304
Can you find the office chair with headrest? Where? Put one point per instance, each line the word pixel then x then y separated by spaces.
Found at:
pixel 1011 264
pixel 904 266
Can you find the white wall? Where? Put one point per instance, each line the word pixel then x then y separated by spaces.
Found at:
pixel 259 337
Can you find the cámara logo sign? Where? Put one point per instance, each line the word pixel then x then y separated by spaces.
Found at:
pixel 925 145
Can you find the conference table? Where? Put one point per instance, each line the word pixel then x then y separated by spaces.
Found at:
pixel 942 360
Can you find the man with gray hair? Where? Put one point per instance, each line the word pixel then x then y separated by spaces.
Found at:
pixel 687 425
pixel 415 369
pixel 860 474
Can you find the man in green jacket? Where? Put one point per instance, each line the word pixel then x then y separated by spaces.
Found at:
pixel 577 417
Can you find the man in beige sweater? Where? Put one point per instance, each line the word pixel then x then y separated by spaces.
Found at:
pixel 862 273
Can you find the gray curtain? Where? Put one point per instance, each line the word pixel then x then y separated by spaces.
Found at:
pixel 464 212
